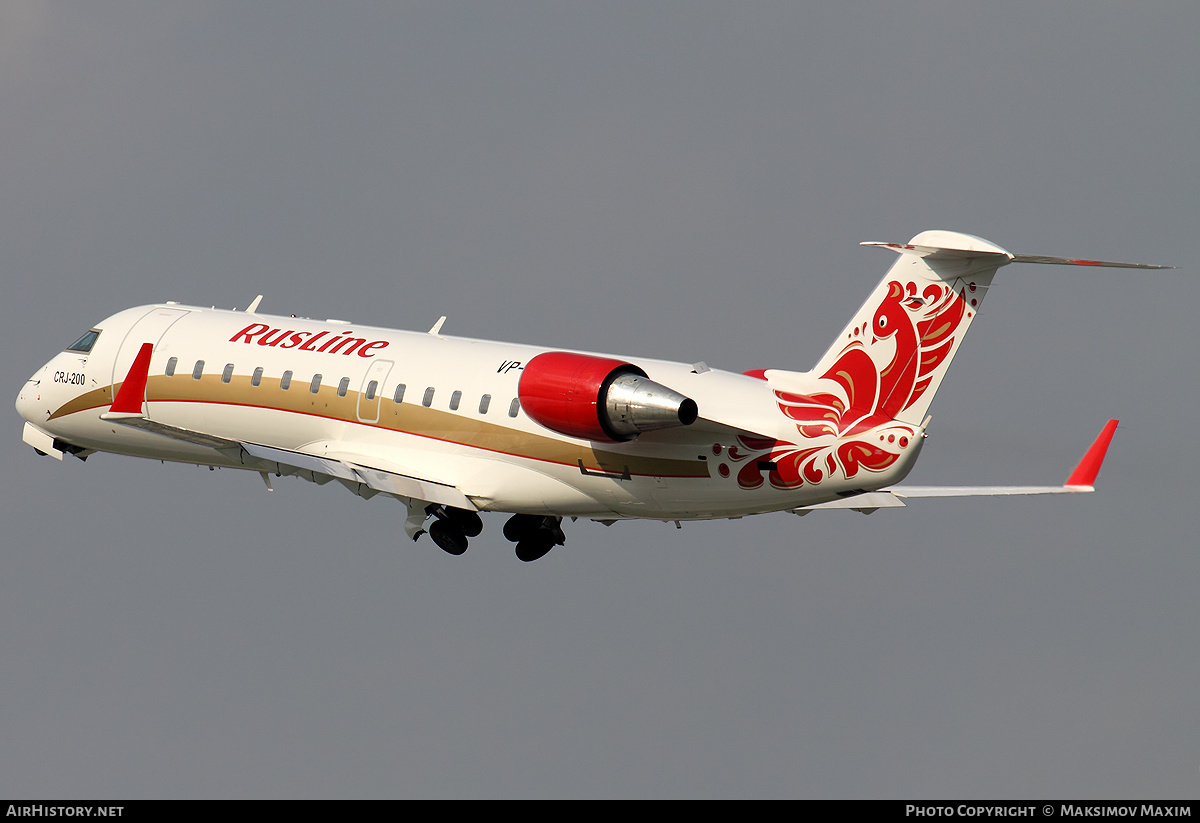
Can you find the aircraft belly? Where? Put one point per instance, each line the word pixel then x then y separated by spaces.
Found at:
pixel 553 489
pixel 505 486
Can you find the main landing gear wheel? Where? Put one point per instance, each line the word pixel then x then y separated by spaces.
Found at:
pixel 452 527
pixel 448 536
pixel 470 523
pixel 519 525
pixel 535 546
pixel 534 535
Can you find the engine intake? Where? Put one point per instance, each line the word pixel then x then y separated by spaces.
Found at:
pixel 598 398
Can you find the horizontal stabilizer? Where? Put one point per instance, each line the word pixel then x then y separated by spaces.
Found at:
pixel 1071 261
pixel 940 253
pixel 944 253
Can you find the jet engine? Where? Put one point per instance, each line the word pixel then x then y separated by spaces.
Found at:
pixel 598 398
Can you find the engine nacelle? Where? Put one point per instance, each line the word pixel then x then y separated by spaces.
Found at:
pixel 598 398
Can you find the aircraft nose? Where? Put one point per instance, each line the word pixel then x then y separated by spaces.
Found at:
pixel 25 400
pixel 30 396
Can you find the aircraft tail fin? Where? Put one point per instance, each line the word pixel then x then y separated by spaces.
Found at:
pixel 888 363
pixel 891 358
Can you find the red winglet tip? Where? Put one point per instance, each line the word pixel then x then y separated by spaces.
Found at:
pixel 133 389
pixel 1085 473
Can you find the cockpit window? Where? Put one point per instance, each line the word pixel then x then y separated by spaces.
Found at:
pixel 85 343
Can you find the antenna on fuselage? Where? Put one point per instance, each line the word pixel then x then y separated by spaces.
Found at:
pixel 253 307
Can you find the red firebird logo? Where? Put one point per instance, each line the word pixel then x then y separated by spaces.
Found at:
pixel 883 368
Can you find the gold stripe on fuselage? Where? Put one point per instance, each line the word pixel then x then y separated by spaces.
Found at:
pixel 405 418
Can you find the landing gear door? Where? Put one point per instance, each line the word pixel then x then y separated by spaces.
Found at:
pixel 372 390
pixel 149 329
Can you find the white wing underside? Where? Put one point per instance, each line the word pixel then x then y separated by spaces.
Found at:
pixel 1081 481
pixel 984 491
pixel 362 474
pixel 894 498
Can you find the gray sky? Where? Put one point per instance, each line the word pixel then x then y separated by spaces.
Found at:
pixel 679 180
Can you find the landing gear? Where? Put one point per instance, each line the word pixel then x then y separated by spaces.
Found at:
pixel 448 537
pixel 470 522
pixel 535 546
pixel 452 528
pixel 534 535
pixel 520 525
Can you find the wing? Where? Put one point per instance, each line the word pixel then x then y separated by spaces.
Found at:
pixel 363 474
pixel 1082 480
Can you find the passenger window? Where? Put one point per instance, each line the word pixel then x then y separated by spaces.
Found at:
pixel 199 370
pixel 399 398
pixel 316 384
pixel 484 402
pixel 171 364
pixel 85 343
pixel 371 387
pixel 285 382
pixel 454 400
pixel 227 375
pixel 427 401
pixel 256 378
pixel 343 387
pixel 514 407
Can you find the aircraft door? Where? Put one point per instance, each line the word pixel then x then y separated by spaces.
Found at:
pixel 371 391
pixel 149 329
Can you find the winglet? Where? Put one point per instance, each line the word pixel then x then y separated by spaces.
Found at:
pixel 1085 473
pixel 133 389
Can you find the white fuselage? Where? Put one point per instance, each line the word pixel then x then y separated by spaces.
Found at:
pixel 332 389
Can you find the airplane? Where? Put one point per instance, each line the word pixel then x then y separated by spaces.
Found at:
pixel 452 427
